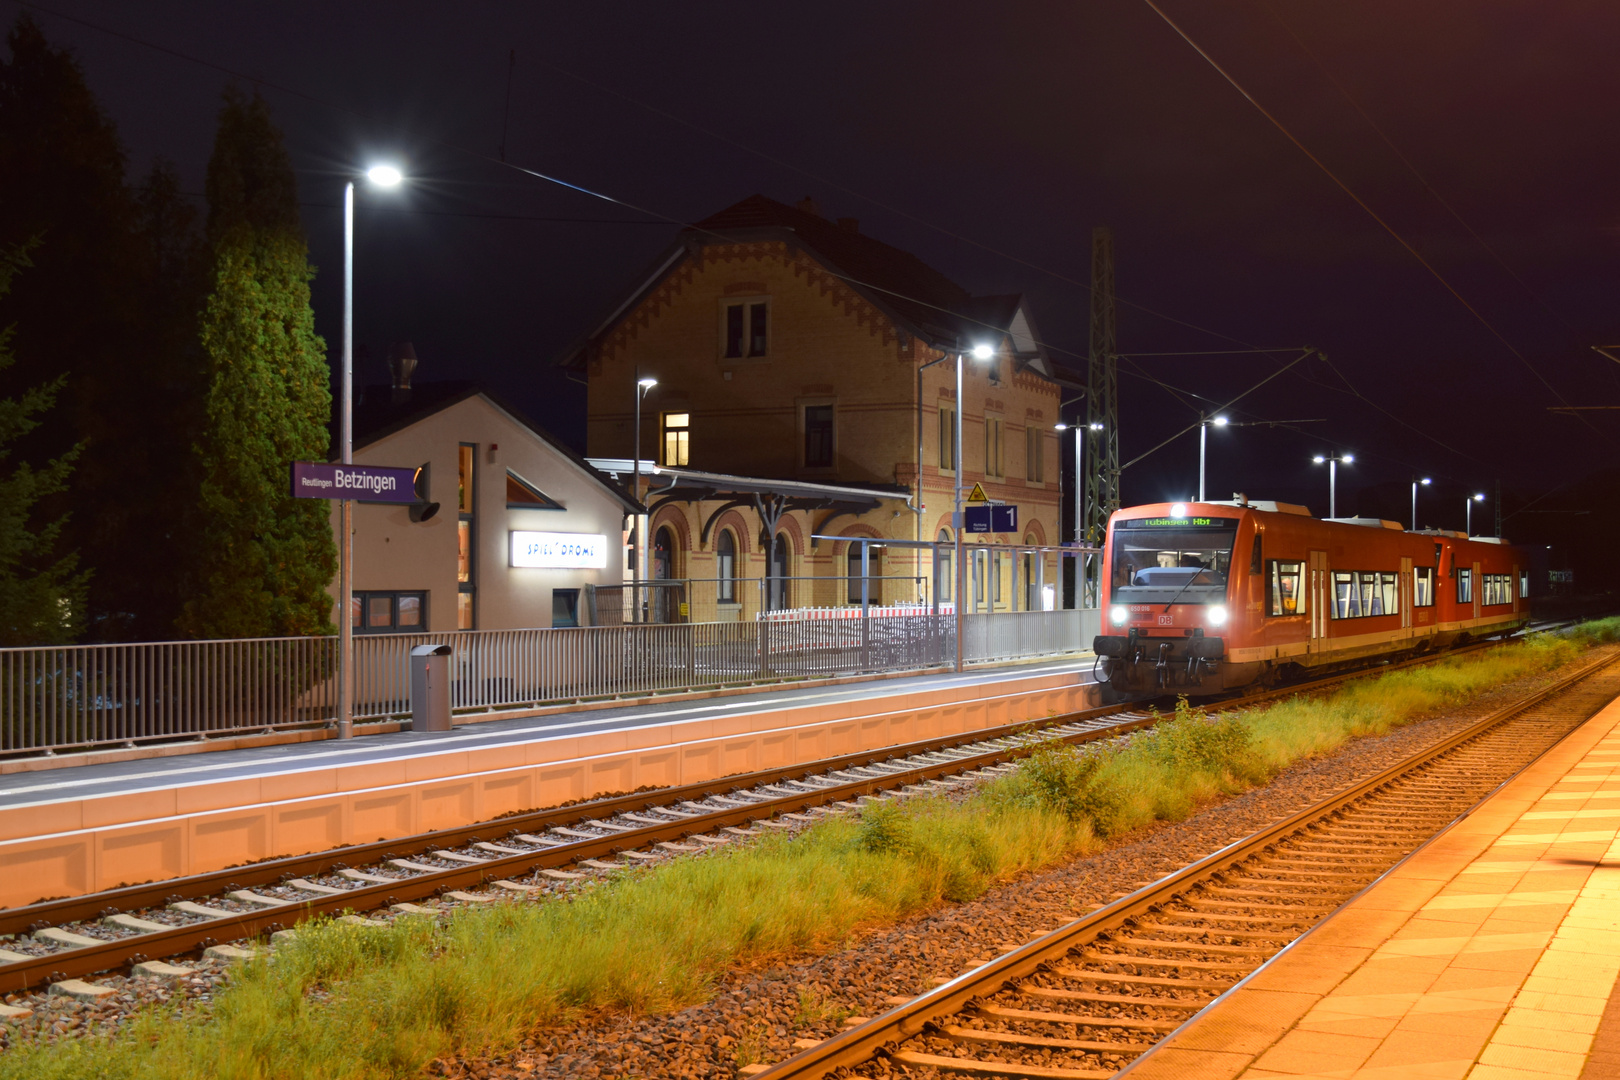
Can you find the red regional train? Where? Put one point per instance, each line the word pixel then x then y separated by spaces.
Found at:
pixel 1203 598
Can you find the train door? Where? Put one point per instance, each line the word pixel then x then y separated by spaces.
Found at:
pixel 1478 583
pixel 1405 594
pixel 1321 595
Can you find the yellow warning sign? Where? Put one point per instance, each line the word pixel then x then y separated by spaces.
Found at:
pixel 977 494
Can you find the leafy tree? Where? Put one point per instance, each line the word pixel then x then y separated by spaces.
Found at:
pixel 42 590
pixel 110 303
pixel 265 558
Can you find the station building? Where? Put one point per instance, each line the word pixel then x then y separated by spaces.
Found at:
pixel 806 387
pixel 511 528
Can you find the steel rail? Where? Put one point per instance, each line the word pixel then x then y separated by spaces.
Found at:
pixel 859 1044
pixel 70 963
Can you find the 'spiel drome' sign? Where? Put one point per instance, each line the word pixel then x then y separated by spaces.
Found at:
pixel 576 551
pixel 364 483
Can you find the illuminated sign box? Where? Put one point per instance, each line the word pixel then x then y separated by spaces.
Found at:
pixel 559 551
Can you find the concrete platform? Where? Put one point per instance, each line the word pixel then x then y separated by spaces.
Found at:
pixel 1492 953
pixel 76 830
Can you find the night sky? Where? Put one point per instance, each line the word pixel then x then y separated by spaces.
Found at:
pixel 989 140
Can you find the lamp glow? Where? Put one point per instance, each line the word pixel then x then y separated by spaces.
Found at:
pixel 1319 459
pixel 983 352
pixel 1219 421
pixel 384 175
pixel 1425 481
pixel 647 384
pixel 1479 498
pixel 1216 615
pixel 1178 510
pixel 1348 458
pixel 1060 426
pixel 1117 615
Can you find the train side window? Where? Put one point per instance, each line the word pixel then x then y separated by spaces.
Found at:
pixel 1423 586
pixel 1255 562
pixel 1465 582
pixel 1524 583
pixel 1387 584
pixel 1371 602
pixel 1285 592
pixel 1346 602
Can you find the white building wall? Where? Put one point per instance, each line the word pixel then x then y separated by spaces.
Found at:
pixel 391 552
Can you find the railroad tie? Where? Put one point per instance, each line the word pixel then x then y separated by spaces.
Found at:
pixel 1047 1042
pixel 995 1068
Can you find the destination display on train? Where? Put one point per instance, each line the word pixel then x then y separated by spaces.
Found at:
pixel 1179 523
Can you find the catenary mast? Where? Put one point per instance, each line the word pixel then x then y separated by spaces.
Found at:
pixel 1102 407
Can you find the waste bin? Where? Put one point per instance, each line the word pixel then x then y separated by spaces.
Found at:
pixel 430 688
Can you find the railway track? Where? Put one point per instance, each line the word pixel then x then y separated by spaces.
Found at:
pixel 55 941
pixel 1087 999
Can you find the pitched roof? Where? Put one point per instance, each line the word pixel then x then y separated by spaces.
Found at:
pixel 921 300
pixel 379 413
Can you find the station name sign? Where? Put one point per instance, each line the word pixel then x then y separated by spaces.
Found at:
pixel 363 483
pixel 1180 523
pixel 559 551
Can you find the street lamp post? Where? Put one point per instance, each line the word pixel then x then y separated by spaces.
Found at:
pixel 1203 439
pixel 382 176
pixel 1080 430
pixel 636 533
pixel 1415 482
pixel 959 571
pixel 1333 478
pixel 1468 507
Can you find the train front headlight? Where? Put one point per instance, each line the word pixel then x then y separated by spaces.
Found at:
pixel 1216 615
pixel 1117 615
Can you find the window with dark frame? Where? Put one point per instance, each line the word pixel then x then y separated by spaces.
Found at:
pixel 993 446
pixel 389 612
pixel 564 607
pixel 1034 459
pixel 522 495
pixel 1285 588
pixel 818 436
pixel 873 584
pixel 725 567
pixel 1423 586
pixel 747 329
pixel 944 580
pixel 1465 584
pixel 947 439
pixel 1363 594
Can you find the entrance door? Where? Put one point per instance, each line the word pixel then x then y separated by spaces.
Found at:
pixel 1404 593
pixel 1321 595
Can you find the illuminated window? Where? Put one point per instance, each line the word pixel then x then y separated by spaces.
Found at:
pixel 1465 586
pixel 745 329
pixel 677 438
pixel 1285 591
pixel 467 534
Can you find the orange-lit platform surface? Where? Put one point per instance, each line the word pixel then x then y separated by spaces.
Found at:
pixel 1490 954
pixel 78 830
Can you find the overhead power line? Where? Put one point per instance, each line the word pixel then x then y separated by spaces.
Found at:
pixel 1359 201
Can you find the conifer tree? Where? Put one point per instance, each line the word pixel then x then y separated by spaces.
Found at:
pixel 41 588
pixel 265 558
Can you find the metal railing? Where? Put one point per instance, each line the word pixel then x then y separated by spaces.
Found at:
pixel 95 695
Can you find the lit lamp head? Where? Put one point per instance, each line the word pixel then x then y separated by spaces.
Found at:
pixel 1097 426
pixel 1425 481
pixel 384 175
pixel 1479 498
pixel 983 352
pixel 1319 459
pixel 1219 421
pixel 646 384
pixel 1060 426
pixel 1348 458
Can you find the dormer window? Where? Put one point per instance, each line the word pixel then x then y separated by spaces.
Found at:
pixel 745 329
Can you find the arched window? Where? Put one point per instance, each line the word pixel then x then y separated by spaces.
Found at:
pixel 943 578
pixel 873 575
pixel 777 579
pixel 725 567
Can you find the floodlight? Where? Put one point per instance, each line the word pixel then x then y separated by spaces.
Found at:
pixel 983 352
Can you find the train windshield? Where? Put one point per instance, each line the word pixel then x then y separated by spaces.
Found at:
pixel 1153 556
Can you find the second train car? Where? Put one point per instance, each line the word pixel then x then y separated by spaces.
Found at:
pixel 1204 598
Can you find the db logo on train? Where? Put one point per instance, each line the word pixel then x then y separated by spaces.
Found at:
pixel 1167 620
